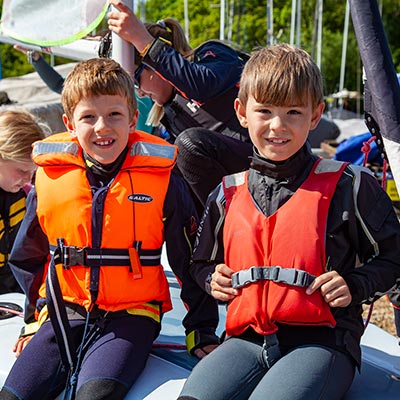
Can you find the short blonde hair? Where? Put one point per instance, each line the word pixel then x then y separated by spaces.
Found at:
pixel 94 77
pixel 19 129
pixel 281 75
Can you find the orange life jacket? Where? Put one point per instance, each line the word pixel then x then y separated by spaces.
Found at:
pixel 133 213
pixel 292 237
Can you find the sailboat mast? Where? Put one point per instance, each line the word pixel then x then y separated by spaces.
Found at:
pixel 123 51
pixel 186 17
pixel 222 21
pixel 344 50
pixel 319 32
pixel 293 22
pixel 270 27
pixel 298 23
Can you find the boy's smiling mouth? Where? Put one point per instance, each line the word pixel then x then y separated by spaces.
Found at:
pixel 104 142
pixel 277 141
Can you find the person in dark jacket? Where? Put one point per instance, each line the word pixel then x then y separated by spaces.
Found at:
pixel 295 246
pixel 19 129
pixel 193 91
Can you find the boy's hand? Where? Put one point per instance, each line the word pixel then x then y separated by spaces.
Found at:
pixel 203 351
pixel 20 344
pixel 333 289
pixel 221 283
pixel 128 26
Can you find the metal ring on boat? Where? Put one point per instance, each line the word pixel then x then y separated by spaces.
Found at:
pixel 9 310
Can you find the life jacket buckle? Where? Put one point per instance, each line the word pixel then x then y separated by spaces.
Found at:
pixel 72 255
pixel 277 274
pixel 245 277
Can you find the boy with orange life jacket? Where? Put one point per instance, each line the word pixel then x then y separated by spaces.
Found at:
pixel 279 244
pixel 105 200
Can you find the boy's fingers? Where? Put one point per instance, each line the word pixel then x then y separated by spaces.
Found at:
pixel 317 283
pixel 321 280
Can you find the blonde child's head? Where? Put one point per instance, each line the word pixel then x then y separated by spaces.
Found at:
pixel 19 129
pixel 281 75
pixel 94 77
pixel 170 30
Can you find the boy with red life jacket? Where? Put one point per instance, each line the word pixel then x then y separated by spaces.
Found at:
pixel 279 244
pixel 89 250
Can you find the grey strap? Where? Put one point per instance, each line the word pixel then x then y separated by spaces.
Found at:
pixel 289 276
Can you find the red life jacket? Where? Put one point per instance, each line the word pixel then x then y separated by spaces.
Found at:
pixel 133 212
pixel 292 237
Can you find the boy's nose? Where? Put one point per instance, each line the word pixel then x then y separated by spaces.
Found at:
pixel 276 123
pixel 100 124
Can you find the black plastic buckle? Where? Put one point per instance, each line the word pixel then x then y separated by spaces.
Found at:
pixel 74 256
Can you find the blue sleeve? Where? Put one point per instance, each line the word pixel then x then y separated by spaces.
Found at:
pixel 215 69
pixel 29 255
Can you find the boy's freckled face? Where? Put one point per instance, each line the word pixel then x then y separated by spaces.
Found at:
pixel 102 126
pixel 277 132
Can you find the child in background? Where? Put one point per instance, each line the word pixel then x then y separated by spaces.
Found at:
pixel 104 202
pixel 18 131
pixel 279 243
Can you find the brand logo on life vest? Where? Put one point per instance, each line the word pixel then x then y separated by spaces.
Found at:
pixel 140 198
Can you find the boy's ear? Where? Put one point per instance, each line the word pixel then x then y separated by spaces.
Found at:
pixel 240 112
pixel 317 114
pixel 68 124
pixel 133 123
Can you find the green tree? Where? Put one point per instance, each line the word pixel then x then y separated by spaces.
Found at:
pixel 248 30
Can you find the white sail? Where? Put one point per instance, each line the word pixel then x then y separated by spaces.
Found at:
pixel 51 23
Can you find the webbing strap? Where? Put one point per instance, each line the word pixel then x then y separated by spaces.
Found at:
pixel 58 318
pixel 289 276
pixel 91 257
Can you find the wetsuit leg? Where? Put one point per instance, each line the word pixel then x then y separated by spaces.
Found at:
pixel 115 360
pixel 231 372
pixel 307 373
pixel 206 156
pixel 37 373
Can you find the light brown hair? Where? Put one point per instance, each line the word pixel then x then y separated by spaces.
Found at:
pixel 19 129
pixel 95 77
pixel 281 75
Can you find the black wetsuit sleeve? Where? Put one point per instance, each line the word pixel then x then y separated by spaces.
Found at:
pixel 375 234
pixel 29 255
pixel 180 224
pixel 209 250
pixel 49 75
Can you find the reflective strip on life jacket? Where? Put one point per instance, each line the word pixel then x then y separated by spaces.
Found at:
pixel 70 256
